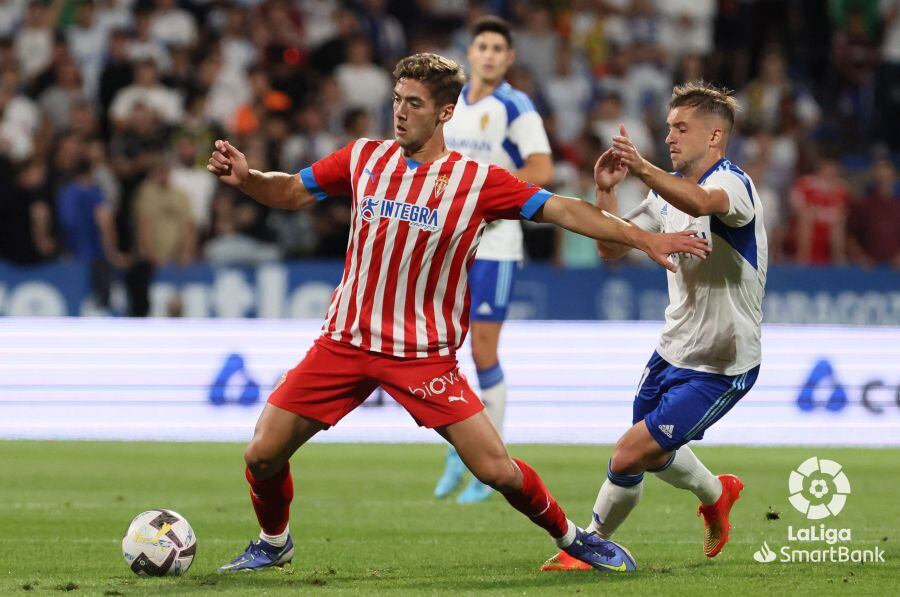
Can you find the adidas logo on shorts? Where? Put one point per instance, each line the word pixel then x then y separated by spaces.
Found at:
pixel 667 430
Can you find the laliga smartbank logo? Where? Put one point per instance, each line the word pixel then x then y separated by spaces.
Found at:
pixel 818 490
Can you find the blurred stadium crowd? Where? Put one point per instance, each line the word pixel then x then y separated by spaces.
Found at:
pixel 108 109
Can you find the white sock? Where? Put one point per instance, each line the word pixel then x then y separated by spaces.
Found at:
pixel 279 540
pixel 494 399
pixel 569 538
pixel 687 472
pixel 614 504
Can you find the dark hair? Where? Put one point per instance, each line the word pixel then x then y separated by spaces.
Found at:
pixel 492 24
pixel 706 98
pixel 443 77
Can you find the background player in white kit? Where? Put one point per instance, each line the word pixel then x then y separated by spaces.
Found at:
pixel 709 354
pixel 494 124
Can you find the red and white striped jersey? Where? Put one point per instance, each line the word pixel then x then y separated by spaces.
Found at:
pixel 413 235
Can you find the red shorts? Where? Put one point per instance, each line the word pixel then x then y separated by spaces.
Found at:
pixel 334 378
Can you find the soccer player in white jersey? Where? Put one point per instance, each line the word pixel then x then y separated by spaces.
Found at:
pixel 495 124
pixel 708 357
pixel 401 309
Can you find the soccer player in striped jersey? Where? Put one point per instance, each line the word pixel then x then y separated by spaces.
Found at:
pixel 495 124
pixel 709 355
pixel 401 309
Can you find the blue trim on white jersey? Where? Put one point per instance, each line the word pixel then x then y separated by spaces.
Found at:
pixel 709 172
pixel 515 102
pixel 411 163
pixel 512 150
pixel 536 202
pixel 309 181
pixel 742 239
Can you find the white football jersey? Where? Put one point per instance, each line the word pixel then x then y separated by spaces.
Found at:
pixel 715 305
pixel 501 129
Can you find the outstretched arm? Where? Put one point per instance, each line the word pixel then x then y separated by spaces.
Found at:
pixel 274 189
pixel 593 222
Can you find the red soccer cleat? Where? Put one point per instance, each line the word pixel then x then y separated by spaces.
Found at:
pixel 563 562
pixel 715 516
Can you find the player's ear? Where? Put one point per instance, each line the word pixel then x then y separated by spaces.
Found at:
pixel 510 57
pixel 446 112
pixel 716 137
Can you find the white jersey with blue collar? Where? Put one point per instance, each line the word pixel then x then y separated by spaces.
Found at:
pixel 501 129
pixel 715 305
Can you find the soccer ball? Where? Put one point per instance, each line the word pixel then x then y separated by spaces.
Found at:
pixel 159 543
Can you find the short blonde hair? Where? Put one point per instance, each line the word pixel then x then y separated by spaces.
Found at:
pixel 706 98
pixel 443 77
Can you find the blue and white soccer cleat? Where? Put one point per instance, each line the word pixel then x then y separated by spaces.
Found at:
pixel 601 554
pixel 475 492
pixel 453 474
pixel 260 555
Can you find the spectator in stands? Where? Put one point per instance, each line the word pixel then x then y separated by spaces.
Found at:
pixel 688 26
pixel 87 229
pixel 569 93
pixel 332 52
pixel 142 46
pixel 173 26
pixel 364 84
pixel 20 118
pixel 164 221
pixel 149 92
pixel 874 225
pixel 854 55
pixel 609 114
pixel 385 31
pixel 570 250
pixel 229 246
pixel 820 202
pixel 887 94
pixel 536 43
pixel 57 100
pixel 26 219
pixel 116 75
pixel 87 39
pixel 238 51
pixel 189 177
pixel 34 39
pixel 358 125
pixel 765 97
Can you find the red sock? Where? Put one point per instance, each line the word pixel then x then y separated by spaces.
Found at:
pixel 535 502
pixel 272 500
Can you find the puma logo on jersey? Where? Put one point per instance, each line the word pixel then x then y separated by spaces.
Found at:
pixel 459 398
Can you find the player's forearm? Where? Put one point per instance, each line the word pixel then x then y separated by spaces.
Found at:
pixel 681 193
pixel 606 200
pixel 591 221
pixel 277 189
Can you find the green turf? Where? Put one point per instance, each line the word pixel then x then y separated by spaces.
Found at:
pixel 365 523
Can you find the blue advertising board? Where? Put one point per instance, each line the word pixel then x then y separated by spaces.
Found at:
pixel 844 295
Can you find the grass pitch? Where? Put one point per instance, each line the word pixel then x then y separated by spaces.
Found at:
pixel 365 522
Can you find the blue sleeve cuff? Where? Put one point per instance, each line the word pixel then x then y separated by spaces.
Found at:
pixel 535 203
pixel 309 181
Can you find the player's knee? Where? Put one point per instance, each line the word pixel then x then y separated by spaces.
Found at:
pixel 262 463
pixel 624 462
pixel 501 475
